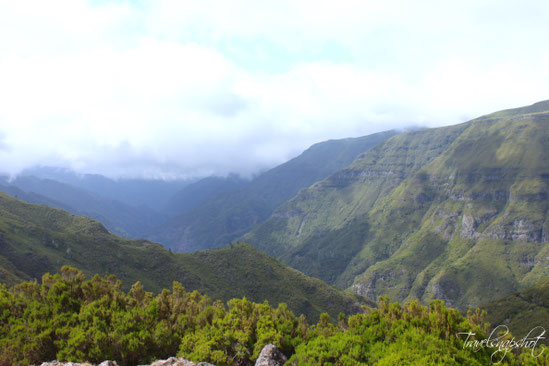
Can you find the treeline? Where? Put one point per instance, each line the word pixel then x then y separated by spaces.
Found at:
pixel 69 318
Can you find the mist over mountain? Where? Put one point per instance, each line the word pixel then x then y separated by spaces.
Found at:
pixel 456 213
pixel 196 193
pixel 154 193
pixel 410 214
pixel 227 215
pixel 119 217
pixel 156 209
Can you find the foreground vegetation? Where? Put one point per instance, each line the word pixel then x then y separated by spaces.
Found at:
pixel 67 317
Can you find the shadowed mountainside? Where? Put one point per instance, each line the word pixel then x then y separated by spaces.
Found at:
pixel 522 311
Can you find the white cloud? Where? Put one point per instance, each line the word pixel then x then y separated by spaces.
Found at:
pixel 178 88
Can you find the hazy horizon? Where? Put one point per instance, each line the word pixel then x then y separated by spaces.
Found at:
pixel 168 89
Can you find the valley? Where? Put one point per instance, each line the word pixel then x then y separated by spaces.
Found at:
pixel 456 213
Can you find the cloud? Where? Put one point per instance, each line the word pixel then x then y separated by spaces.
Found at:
pixel 177 89
pixel 3 145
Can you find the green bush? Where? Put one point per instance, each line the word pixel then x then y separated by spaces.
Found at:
pixel 69 318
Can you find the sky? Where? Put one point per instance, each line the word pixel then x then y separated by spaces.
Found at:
pixel 180 89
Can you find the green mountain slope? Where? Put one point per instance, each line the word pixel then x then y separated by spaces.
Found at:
pixel 457 213
pixel 227 216
pixel 522 311
pixel 36 239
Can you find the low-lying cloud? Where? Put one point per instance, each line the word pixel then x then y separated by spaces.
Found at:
pixel 179 89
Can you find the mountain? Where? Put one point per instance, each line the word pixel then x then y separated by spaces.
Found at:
pixel 31 197
pixel 458 213
pixel 35 239
pixel 118 217
pixel 153 193
pixel 198 192
pixel 226 216
pixel 522 311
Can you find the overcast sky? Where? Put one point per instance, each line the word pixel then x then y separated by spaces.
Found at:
pixel 185 88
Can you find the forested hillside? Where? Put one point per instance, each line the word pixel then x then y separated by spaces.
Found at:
pixel 37 239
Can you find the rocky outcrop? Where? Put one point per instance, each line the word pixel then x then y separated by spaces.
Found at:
pixel 270 356
pixel 172 361
pixel 346 177
pixel 57 363
pixel 468 227
pixel 499 195
pixel 519 229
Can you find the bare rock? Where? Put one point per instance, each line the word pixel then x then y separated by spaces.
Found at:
pixel 57 363
pixel 518 229
pixel 172 361
pixel 468 227
pixel 270 356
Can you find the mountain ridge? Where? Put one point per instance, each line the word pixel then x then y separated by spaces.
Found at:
pixel 406 217
pixel 120 218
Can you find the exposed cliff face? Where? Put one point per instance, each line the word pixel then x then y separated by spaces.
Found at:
pixel 479 215
pixel 458 213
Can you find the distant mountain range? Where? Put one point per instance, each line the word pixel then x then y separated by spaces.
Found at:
pixel 152 193
pixel 119 217
pixel 458 213
pixel 185 215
